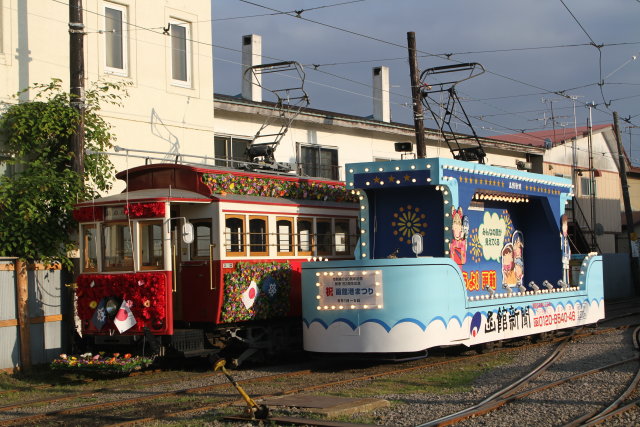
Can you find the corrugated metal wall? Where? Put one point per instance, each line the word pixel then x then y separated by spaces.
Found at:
pixel 46 305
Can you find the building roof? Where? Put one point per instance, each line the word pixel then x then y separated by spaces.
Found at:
pixel 326 116
pixel 557 136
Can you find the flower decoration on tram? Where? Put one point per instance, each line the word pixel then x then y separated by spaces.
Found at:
pixel 146 302
pixel 268 187
pixel 88 214
pixel 268 304
pixel 408 221
pixel 145 210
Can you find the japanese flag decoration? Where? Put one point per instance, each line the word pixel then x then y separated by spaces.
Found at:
pixel 124 319
pixel 249 295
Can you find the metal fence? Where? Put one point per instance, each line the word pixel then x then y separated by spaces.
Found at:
pixel 47 301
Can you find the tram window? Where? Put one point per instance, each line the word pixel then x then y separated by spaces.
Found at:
pixel 116 247
pixel 258 236
pixel 285 236
pixel 305 242
pixel 151 252
pixel 323 234
pixel 89 248
pixel 200 245
pixel 234 235
pixel 342 236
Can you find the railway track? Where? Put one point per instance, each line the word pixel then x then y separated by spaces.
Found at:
pixel 130 407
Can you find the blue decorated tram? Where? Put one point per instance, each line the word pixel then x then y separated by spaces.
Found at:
pixel 450 252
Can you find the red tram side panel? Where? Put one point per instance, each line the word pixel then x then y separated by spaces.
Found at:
pixel 250 234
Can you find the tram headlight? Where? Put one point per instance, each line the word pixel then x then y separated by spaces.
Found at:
pixel 112 306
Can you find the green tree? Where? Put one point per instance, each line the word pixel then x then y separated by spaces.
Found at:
pixel 37 199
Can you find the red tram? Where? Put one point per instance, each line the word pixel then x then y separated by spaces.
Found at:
pixel 189 259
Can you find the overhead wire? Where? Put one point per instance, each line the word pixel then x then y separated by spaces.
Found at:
pixel 298 12
pixel 544 90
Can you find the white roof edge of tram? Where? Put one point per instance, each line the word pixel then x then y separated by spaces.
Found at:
pixel 150 195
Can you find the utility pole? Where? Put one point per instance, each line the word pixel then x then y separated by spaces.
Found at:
pixel 592 185
pixel 76 81
pixel 418 117
pixel 622 170
pixel 76 90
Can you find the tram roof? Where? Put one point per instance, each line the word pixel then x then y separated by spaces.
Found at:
pixel 150 195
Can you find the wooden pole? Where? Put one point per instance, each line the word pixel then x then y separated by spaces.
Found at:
pixel 76 81
pixel 622 170
pixel 22 297
pixel 418 116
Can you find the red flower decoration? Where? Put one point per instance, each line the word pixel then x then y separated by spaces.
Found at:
pixel 126 287
pixel 88 214
pixel 144 210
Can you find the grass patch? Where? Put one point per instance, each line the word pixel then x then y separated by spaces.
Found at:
pixel 438 380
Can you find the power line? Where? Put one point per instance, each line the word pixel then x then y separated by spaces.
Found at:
pixel 578 22
pixel 297 12
pixel 544 91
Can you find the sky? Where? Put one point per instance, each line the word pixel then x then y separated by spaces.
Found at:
pixel 549 64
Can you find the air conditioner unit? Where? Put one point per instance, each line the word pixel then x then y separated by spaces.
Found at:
pixel 527 166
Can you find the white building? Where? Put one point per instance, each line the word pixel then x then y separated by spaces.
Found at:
pixel 162 47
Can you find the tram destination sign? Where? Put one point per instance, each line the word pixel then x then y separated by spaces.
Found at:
pixel 348 290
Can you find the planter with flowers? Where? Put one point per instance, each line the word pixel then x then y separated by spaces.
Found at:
pixel 101 363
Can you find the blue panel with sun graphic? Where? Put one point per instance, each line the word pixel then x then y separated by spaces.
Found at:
pixel 400 214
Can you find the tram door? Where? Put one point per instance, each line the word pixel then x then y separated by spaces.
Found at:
pixel 177 252
pixel 199 276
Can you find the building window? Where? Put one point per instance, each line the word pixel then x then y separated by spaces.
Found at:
pixel 285 236
pixel 318 161
pixel 305 236
pixel 89 248
pixel 258 236
pixel 115 39
pixel 587 186
pixel 323 236
pixel 116 247
pixel 151 248
pixel 229 151
pixel 202 239
pixel 342 236
pixel 180 53
pixel 234 235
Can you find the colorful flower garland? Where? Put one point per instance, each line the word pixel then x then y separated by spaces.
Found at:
pixel 145 292
pixel 88 214
pixel 144 210
pixel 265 306
pixel 101 363
pixel 268 187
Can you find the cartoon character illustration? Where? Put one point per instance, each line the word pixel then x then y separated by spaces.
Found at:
pixel 566 247
pixel 508 273
pixel 517 240
pixel 460 229
pixel 518 244
pixel 518 270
